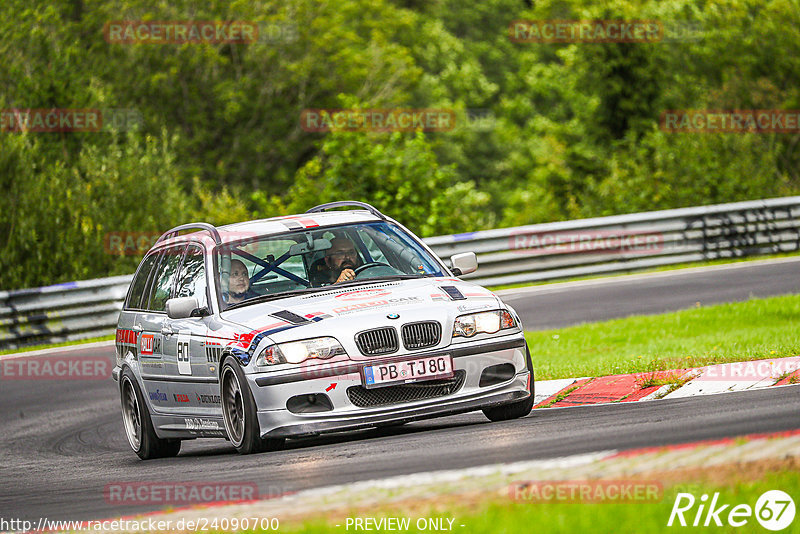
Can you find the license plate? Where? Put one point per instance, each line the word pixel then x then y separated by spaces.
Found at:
pixel 405 371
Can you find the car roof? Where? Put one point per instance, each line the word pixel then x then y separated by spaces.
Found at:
pixel 276 225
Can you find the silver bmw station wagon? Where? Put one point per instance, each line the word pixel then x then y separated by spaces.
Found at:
pixel 294 326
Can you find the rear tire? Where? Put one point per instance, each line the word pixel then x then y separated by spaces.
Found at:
pixel 518 409
pixel 239 412
pixel 138 426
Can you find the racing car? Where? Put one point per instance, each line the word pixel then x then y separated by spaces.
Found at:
pixel 327 321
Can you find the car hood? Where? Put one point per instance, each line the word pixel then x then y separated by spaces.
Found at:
pixel 341 312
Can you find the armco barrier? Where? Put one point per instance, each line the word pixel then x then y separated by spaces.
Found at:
pixel 621 243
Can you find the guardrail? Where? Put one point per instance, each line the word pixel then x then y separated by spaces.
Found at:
pixel 525 254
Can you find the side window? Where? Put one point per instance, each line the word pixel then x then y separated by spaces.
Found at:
pixel 192 278
pixel 140 282
pixel 166 272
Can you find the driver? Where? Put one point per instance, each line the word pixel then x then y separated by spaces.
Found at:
pixel 341 260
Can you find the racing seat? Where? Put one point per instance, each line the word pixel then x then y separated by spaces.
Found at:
pixel 318 273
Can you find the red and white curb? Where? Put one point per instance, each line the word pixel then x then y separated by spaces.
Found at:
pixel 669 384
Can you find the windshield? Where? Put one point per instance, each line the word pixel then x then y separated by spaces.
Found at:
pixel 299 262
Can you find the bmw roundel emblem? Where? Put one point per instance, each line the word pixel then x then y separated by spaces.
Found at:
pixel 393 316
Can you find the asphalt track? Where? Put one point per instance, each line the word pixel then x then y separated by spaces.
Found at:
pixel 559 305
pixel 62 442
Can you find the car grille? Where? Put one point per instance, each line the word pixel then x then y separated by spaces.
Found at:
pixel 421 335
pixel 377 341
pixel 429 389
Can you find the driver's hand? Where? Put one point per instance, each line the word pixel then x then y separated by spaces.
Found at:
pixel 346 274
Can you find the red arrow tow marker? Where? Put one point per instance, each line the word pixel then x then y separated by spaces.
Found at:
pixel 332 386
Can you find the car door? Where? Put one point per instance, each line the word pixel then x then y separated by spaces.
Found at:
pixel 163 393
pixel 196 360
pixel 146 351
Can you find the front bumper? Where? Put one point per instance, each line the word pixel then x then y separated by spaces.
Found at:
pixel 272 392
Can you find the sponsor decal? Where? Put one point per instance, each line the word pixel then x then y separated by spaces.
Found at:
pixel 207 399
pixel 146 345
pixel 375 304
pixel 180 397
pixel 198 423
pixel 126 337
pixel 157 395
pixel 361 306
pixel 362 294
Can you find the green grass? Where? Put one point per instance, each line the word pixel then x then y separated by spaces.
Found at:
pixel 675 267
pixel 498 515
pixel 53 345
pixel 751 330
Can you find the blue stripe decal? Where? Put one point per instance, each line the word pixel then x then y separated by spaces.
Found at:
pixel 246 356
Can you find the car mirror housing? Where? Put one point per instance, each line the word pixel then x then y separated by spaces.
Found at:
pixel 182 307
pixel 464 263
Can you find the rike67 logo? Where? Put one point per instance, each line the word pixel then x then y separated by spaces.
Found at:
pixel 774 510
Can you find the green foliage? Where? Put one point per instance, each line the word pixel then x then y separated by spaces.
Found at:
pixel 57 218
pixel 572 130
pixel 399 175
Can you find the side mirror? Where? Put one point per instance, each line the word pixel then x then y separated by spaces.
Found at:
pixel 182 308
pixel 464 263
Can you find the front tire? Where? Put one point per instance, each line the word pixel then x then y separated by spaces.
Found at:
pixel 239 412
pixel 138 426
pixel 518 409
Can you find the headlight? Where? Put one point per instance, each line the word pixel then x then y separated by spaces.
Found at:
pixel 300 351
pixel 483 323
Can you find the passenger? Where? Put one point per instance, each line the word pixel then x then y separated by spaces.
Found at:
pixel 238 284
pixel 341 260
